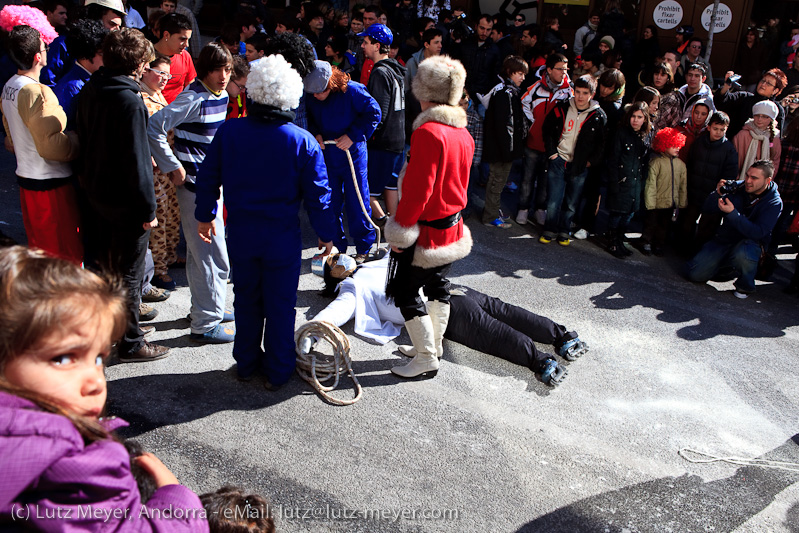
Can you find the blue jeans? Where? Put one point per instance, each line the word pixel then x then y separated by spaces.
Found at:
pixel 534 175
pixel 739 258
pixel 562 185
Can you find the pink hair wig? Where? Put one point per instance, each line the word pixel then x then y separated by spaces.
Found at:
pixel 11 16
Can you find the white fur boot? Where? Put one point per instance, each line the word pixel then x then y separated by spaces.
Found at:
pixel 439 314
pixel 420 329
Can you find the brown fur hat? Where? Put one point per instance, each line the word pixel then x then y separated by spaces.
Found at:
pixel 440 79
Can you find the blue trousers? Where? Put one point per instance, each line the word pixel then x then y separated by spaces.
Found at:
pixel 266 294
pixel 343 196
pixel 564 190
pixel 739 259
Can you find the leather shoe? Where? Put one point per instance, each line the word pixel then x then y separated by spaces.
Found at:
pixel 147 352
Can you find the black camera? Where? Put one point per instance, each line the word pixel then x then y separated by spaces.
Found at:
pixel 733 81
pixel 459 29
pixel 730 187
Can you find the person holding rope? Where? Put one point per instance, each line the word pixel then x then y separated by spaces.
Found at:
pixel 263 215
pixel 343 111
pixel 427 233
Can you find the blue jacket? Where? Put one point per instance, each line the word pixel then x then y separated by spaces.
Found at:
pixel 58 62
pixel 752 218
pixel 267 167
pixel 68 88
pixel 354 113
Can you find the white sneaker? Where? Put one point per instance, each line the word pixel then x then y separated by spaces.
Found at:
pixel 521 217
pixel 540 217
pixel 741 295
pixel 581 234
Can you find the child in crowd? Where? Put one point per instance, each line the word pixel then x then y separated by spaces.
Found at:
pixel 712 158
pixel 693 127
pixel 56 454
pixel 666 189
pixel 231 510
pixel 573 136
pixel 610 91
pixel 651 97
pixel 165 237
pixel 506 131
pixel 759 138
pixel 627 167
pixel 474 125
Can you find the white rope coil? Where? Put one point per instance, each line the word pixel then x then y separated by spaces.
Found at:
pixel 709 458
pixel 318 368
pixel 360 198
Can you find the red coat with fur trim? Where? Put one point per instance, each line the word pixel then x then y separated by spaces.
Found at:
pixel 434 187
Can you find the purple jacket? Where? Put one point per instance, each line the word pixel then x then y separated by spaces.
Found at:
pixel 52 481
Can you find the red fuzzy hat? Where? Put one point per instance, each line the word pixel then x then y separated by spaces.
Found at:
pixel 668 138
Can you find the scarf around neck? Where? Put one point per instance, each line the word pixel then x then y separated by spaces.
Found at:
pixel 759 138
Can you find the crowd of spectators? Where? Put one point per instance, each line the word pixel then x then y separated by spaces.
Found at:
pixel 567 133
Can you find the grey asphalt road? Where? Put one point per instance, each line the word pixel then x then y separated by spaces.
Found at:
pixel 485 446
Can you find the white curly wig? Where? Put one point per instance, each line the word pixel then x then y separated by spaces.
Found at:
pixel 273 82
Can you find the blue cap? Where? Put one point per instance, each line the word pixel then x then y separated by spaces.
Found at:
pixel 316 80
pixel 379 33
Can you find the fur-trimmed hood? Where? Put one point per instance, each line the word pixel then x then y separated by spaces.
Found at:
pixel 448 115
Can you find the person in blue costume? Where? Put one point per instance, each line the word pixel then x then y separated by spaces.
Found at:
pixel 85 40
pixel 268 168
pixel 343 111
pixel 60 59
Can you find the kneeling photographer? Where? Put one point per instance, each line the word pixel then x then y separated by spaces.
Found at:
pixel 750 209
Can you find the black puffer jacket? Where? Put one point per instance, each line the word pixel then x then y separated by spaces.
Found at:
pixel 708 162
pixel 505 126
pixel 627 169
pixel 387 87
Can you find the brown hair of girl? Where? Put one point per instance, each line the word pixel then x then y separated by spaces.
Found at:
pixel 338 81
pixel 42 295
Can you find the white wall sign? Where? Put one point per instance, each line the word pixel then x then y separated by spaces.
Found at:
pixel 667 14
pixel 723 17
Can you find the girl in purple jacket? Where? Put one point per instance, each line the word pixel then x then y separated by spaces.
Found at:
pixel 62 469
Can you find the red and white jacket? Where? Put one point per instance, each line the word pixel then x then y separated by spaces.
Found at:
pixel 434 187
pixel 538 101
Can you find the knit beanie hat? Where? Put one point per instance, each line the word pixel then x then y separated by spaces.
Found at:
pixel 608 40
pixel 440 79
pixel 273 82
pixel 765 107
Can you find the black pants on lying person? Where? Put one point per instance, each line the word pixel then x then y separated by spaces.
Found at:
pixel 489 325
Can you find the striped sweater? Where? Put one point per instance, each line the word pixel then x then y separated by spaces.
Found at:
pixel 195 115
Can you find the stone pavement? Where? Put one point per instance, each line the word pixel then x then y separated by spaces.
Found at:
pixel 485 446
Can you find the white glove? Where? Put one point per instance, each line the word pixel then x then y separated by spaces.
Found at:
pixel 305 345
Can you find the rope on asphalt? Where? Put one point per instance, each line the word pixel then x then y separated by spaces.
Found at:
pixel 360 198
pixel 316 371
pixel 709 458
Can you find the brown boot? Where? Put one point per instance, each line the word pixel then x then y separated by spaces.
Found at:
pixel 147 352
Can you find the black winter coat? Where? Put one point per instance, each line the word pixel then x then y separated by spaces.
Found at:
pixel 482 64
pixel 590 141
pixel 387 87
pixel 115 167
pixel 627 169
pixel 505 126
pixel 708 162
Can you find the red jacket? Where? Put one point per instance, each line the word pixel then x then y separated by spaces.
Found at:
pixel 434 187
pixel 537 102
